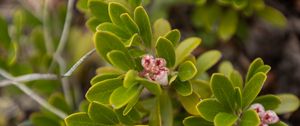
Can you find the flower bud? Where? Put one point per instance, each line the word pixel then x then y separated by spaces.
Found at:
pixel 148 62
pixel 269 117
pixel 258 108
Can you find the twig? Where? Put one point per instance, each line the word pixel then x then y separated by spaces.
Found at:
pixel 47 38
pixel 29 77
pixel 80 61
pixel 57 55
pixel 34 96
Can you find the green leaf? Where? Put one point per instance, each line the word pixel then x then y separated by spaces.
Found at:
pixel 130 78
pixel 92 23
pixel 265 69
pixel 115 10
pixel 99 9
pixel 223 90
pixel 82 5
pixel 161 27
pixel 228 25
pixel 155 117
pixel 133 41
pixel 166 110
pixel 132 103
pixel 80 119
pixel 4 35
pixel 84 106
pixel 280 123
pixel 196 121
pixel 183 88
pixel 250 118
pixel 131 118
pixel 173 36
pixel 101 91
pixel 225 119
pixel 238 98
pixel 57 100
pixel 240 4
pixel 270 102
pixel 209 108
pixel 117 30
pixel 258 4
pixel 252 88
pixel 108 70
pixel 106 42
pixel 273 16
pixel 236 79
pixel 102 77
pixel 121 96
pixel 150 85
pixel 185 48
pixel 39 119
pixel 135 3
pixel 102 114
pixel 201 88
pixel 226 68
pixel 120 60
pixel 129 23
pixel 207 60
pixel 256 64
pixel 142 20
pixel 187 71
pixel 289 103
pixel 165 49
pixel 189 103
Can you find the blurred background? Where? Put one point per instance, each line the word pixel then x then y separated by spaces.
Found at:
pixel 30 31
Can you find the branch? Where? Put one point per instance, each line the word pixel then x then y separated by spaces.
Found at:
pixel 47 36
pixel 29 77
pixel 34 96
pixel 80 61
pixel 57 55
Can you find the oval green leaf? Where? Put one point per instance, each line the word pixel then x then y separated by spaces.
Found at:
pixel 106 42
pixel 223 90
pixel 289 103
pixel 207 60
pixel 250 118
pixel 101 91
pixel 121 96
pixel 252 88
pixel 209 108
pixel 102 114
pixel 225 119
pixel 142 20
pixel 165 49
pixel 187 71
pixel 173 36
pixel 185 48
pixel 120 60
pixel 129 23
pixel 196 121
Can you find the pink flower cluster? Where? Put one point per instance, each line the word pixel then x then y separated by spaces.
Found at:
pixel 266 117
pixel 155 69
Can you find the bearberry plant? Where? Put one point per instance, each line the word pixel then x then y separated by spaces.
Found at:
pixel 150 71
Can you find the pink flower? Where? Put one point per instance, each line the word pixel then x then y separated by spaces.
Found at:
pixel 266 117
pixel 155 69
pixel 258 108
pixel 269 117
